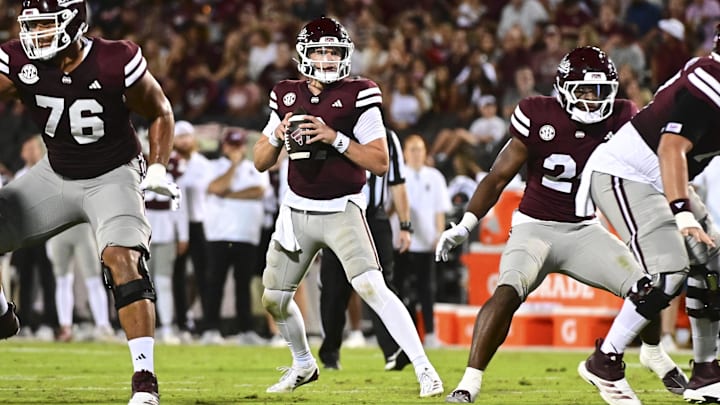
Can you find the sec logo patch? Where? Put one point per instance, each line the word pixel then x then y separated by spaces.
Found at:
pixel 547 132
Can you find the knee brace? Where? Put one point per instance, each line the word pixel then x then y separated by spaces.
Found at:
pixel 651 295
pixel 703 293
pixel 276 302
pixel 135 290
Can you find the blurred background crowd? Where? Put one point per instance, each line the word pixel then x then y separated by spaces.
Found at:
pixel 451 71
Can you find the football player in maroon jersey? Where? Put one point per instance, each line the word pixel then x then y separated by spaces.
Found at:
pixel 80 91
pixel 639 180
pixel 324 205
pixel 554 136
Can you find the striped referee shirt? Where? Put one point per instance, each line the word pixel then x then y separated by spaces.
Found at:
pixel 377 187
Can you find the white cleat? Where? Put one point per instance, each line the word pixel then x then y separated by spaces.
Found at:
pixel 430 383
pixel 658 361
pixel 294 377
pixel 460 396
pixel 616 392
pixel 144 398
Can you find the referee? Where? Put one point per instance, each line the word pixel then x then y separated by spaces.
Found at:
pixel 335 289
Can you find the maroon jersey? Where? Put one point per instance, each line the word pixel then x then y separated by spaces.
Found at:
pixel 558 149
pixel 339 105
pixel 82 114
pixel 688 104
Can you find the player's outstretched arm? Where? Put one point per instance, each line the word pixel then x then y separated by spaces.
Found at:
pixel 487 192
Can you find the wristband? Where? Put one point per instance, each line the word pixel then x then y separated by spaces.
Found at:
pixel 686 219
pixel 275 141
pixel 469 221
pixel 341 142
pixel 406 226
pixel 680 205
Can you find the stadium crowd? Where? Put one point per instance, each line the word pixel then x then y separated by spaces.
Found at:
pixel 450 71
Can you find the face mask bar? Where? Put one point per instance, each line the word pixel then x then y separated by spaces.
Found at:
pixel 591 109
pixel 40 42
pixel 325 69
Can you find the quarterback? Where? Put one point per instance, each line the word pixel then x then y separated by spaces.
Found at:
pixel 324 206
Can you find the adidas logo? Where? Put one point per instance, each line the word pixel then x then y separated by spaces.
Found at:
pixel 141 357
pixel 95 85
pixel 337 104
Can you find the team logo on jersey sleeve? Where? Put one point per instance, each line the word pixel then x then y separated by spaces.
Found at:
pixel 29 74
pixel 547 132
pixel 289 99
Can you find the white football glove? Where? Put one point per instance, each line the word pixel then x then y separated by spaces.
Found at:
pixel 449 239
pixel 156 181
pixel 454 236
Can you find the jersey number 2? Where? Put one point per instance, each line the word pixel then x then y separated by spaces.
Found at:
pixel 563 181
pixel 85 129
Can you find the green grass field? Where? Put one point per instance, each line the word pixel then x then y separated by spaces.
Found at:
pixel 92 373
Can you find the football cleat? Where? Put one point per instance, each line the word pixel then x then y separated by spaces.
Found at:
pixel 397 361
pixel 145 389
pixel 655 359
pixel 430 383
pixel 607 373
pixel 704 385
pixel 459 396
pixel 9 323
pixel 294 377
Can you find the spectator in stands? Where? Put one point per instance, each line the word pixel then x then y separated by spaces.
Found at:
pixel 523 14
pixel 701 17
pixel 513 55
pixel 524 86
pixel 407 101
pixel 670 54
pixel 570 15
pixel 544 62
pixel 483 134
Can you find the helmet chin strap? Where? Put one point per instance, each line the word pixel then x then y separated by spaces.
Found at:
pixel 586 117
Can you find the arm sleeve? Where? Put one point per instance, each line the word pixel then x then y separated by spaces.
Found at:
pixel 396 172
pixel 369 126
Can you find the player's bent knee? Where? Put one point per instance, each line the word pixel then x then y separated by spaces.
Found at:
pixel 134 290
pixel 276 302
pixel 652 296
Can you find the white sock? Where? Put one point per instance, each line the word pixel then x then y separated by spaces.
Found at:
pixel 142 353
pixel 626 326
pixel 64 299
pixel 98 301
pixel 471 381
pixel 372 289
pixel 704 339
pixel 3 302
pixel 164 302
pixel 292 329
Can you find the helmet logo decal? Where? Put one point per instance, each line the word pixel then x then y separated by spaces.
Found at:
pixel 547 132
pixel 29 74
pixel 564 66
pixel 289 99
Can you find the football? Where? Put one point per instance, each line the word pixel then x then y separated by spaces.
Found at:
pixel 297 144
